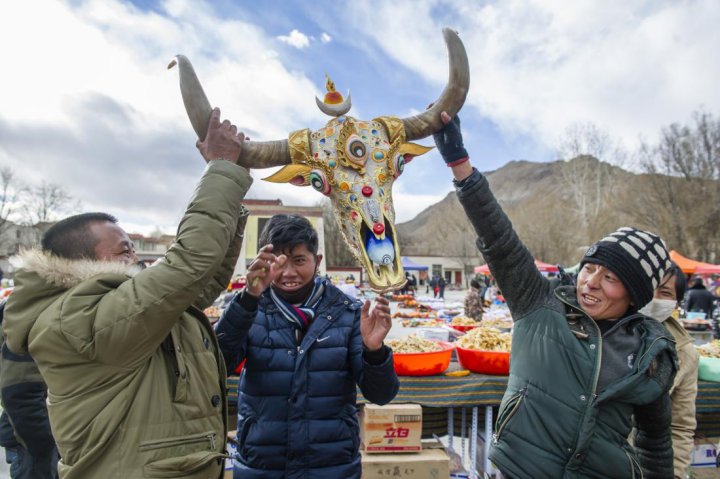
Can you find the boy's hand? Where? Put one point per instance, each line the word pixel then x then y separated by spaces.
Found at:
pixel 263 270
pixel 376 325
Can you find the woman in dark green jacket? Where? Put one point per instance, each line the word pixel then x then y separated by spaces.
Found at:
pixel 585 368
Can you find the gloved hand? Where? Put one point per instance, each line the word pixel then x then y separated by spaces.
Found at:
pixel 449 142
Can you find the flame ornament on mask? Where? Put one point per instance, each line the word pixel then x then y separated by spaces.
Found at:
pixel 380 251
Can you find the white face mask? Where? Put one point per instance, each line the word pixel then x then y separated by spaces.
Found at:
pixel 659 309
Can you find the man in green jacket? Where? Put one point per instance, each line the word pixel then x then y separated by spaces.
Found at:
pixel 585 367
pixel 136 381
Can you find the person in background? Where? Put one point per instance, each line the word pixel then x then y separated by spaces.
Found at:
pixel 24 425
pixel 473 303
pixel 585 366
pixel 700 300
pixel 350 289
pixel 668 296
pixel 441 287
pixel 307 347
pixel 434 286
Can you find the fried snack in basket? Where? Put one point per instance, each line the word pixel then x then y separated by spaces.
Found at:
pixel 710 350
pixel 486 339
pixel 463 321
pixel 497 323
pixel 412 344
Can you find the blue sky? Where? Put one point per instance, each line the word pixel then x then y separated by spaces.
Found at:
pixel 85 98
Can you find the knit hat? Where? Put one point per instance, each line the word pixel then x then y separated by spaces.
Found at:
pixel 638 258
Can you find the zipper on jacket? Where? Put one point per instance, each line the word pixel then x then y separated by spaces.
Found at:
pixel 634 464
pixel 518 398
pixel 210 438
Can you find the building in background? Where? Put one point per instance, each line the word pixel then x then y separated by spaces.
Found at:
pixel 148 249
pixel 448 267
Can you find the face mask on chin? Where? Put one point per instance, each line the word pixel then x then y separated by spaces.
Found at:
pixel 659 309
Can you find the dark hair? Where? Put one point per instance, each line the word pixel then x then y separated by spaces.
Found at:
pixel 680 282
pixel 71 238
pixel 285 232
pixel 474 284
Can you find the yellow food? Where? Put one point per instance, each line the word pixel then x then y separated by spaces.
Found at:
pixel 710 350
pixel 486 339
pixel 497 323
pixel 212 312
pixel 463 321
pixel 458 374
pixel 412 344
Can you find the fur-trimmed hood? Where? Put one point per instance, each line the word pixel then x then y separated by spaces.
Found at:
pixel 40 279
pixel 67 273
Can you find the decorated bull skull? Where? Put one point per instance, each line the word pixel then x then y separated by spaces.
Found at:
pixel 353 162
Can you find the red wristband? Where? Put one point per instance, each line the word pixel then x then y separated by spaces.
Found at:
pixel 458 162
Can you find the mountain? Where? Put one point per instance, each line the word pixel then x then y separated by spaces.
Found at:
pixel 543 200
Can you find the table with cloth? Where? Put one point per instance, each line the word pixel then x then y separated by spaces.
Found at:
pixel 444 398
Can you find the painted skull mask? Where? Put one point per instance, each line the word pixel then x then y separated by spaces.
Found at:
pixel 354 163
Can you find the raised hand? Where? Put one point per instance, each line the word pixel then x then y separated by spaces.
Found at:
pixel 222 140
pixel 376 325
pixel 263 270
pixel 449 141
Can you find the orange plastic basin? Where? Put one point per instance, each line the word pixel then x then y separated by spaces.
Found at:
pixel 423 364
pixel 484 362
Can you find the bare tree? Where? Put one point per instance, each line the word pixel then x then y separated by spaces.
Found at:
pixel 43 204
pixel 590 175
pixel 683 186
pixel 462 248
pixel 10 191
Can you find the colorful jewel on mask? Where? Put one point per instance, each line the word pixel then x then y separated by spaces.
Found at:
pixel 380 251
pixel 332 163
pixel 367 191
pixel 354 216
pixel 344 186
pixel 374 132
pixel 378 155
pixel 319 182
pixel 352 199
pixel 341 119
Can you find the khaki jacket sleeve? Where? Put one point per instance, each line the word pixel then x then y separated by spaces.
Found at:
pixel 132 320
pixel 222 278
pixel 683 397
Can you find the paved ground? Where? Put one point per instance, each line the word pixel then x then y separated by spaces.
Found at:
pixel 397 331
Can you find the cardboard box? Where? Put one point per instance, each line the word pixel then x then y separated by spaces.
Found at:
pixel 705 452
pixel 391 428
pixel 426 464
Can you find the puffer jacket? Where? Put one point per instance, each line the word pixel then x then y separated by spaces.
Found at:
pixel 682 397
pixel 574 394
pixel 296 404
pixel 137 384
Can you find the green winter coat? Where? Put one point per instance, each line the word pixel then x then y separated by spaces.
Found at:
pixel 135 376
pixel 574 393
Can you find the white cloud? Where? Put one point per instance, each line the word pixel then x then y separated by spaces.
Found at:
pixel 539 66
pixel 296 39
pixel 325 38
pixel 90 103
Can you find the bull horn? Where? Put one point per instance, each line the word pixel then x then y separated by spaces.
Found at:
pixel 254 154
pixel 453 96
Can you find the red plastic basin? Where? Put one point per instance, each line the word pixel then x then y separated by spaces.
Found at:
pixel 484 362
pixel 423 364
pixel 464 328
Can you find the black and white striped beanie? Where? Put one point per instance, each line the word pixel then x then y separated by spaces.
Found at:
pixel 638 258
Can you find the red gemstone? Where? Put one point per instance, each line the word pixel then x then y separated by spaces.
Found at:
pixel 378 228
pixel 353 215
pixel 367 191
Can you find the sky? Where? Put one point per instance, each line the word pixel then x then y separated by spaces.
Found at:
pixel 86 99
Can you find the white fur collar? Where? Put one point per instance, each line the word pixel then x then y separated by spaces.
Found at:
pixel 67 273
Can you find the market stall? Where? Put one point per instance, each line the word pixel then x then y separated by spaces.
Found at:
pixel 476 390
pixel 687 265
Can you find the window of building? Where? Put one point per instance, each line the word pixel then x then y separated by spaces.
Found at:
pixel 436 270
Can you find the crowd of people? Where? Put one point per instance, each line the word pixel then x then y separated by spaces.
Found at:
pixel 128 377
